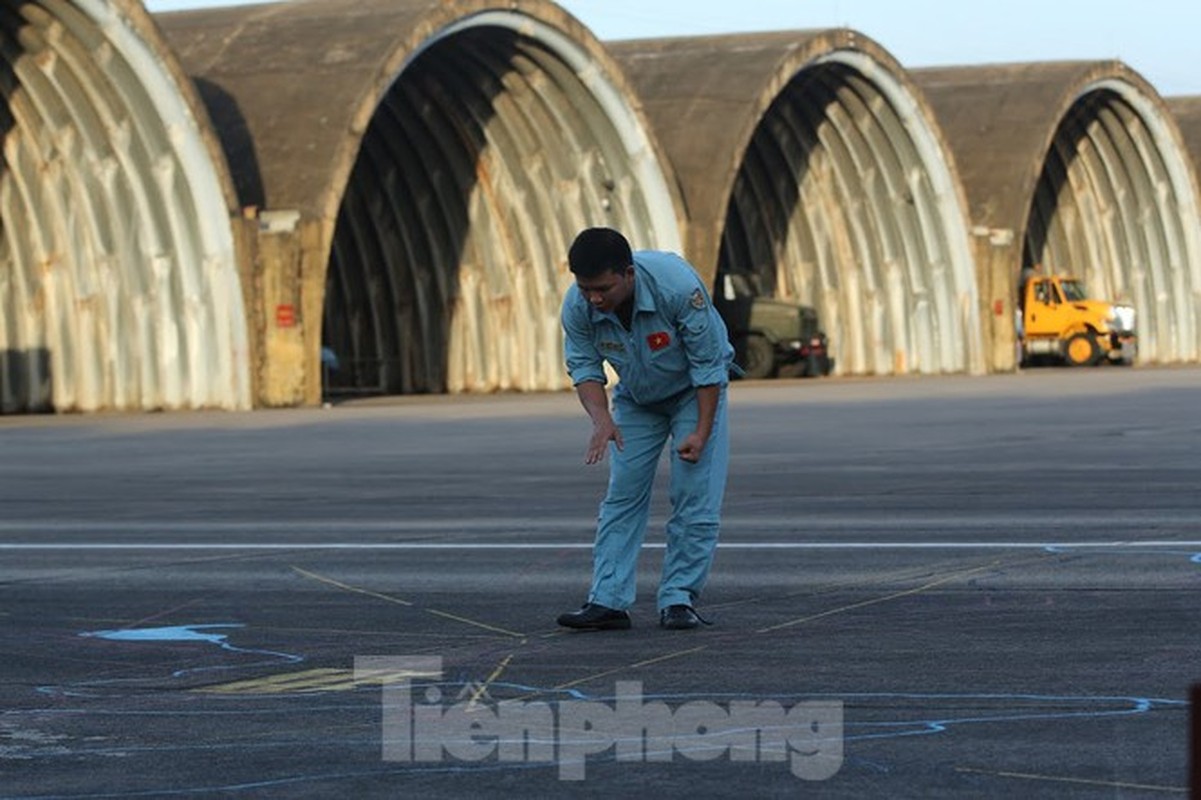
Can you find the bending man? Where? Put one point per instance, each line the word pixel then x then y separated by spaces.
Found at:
pixel 648 315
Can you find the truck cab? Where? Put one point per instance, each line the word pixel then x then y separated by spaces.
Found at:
pixel 770 335
pixel 1057 320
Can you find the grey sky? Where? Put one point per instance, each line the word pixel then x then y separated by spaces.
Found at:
pixel 1155 37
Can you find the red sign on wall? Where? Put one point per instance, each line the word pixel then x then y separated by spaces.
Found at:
pixel 285 316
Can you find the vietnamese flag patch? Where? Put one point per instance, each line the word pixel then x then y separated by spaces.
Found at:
pixel 659 340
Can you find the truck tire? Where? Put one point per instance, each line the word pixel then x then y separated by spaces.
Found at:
pixel 1081 350
pixel 760 358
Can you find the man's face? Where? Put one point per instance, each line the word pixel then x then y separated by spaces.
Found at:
pixel 607 291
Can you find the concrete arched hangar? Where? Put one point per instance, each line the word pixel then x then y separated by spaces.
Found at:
pixel 119 269
pixel 811 161
pixel 1079 168
pixel 419 170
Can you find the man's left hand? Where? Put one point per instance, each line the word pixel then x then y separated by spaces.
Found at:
pixel 691 448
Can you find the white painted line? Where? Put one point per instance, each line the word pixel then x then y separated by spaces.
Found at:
pixel 504 523
pixel 457 546
pixel 286 526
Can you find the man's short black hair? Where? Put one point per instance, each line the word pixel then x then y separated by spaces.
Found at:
pixel 596 251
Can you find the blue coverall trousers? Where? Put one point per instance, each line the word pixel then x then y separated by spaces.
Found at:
pixel 695 492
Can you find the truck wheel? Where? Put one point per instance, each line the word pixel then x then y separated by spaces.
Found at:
pixel 760 358
pixel 1081 350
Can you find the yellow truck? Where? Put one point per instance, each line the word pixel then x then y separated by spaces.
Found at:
pixel 1057 321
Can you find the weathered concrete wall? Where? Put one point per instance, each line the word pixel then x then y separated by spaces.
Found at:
pixel 1187 111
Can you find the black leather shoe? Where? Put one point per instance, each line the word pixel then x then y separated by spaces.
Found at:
pixel 595 617
pixel 680 618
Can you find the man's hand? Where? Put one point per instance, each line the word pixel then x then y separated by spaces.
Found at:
pixel 604 429
pixel 691 448
pixel 693 444
pixel 603 432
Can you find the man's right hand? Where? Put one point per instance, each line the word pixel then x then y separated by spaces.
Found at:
pixel 604 430
pixel 602 433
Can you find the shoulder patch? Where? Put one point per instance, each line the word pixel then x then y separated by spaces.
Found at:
pixel 698 299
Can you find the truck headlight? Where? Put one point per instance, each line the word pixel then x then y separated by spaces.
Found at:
pixel 1124 317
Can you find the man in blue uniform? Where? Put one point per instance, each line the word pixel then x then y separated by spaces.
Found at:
pixel 649 316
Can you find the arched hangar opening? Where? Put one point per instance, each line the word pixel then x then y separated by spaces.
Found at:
pixel 835 200
pixel 1115 205
pixel 419 169
pixel 1076 168
pixel 119 284
pixel 827 183
pixel 498 141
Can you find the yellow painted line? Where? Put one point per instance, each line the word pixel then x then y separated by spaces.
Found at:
pixel 311 680
pixel 877 600
pixel 278 683
pixel 380 596
pixel 349 588
pixel 475 623
pixel 482 690
pixel 636 665
pixel 1081 781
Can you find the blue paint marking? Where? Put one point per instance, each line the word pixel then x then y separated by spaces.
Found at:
pixel 193 633
pixel 1083 707
pixel 177 633
pixel 200 634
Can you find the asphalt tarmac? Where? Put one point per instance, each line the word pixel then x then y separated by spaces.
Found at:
pixel 939 587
